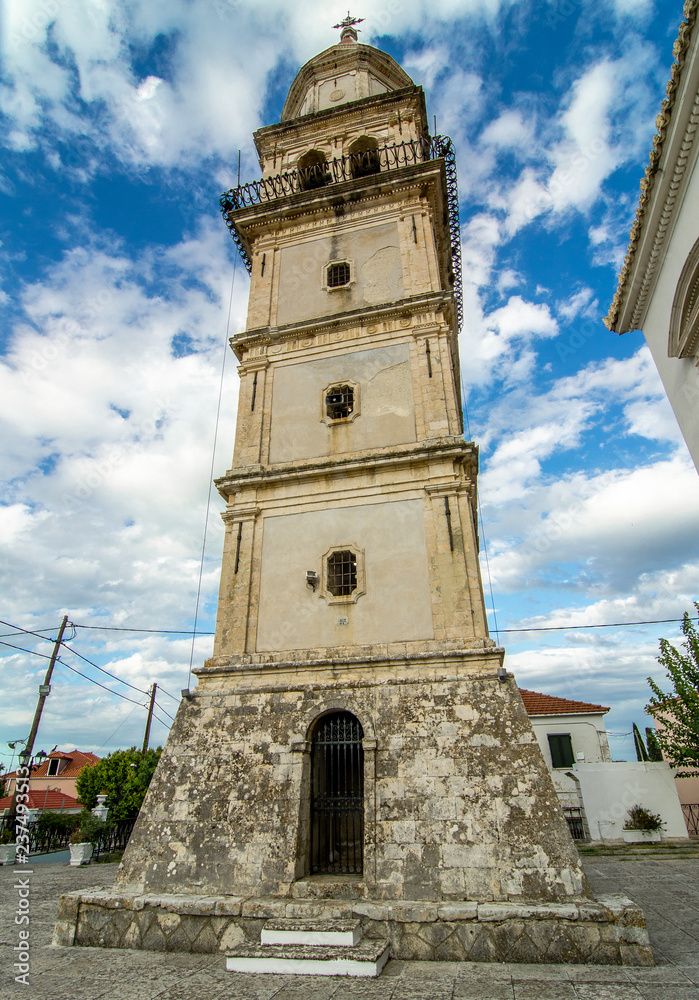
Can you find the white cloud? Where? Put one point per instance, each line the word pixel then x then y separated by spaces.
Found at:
pixel 580 303
pixel 603 121
pixel 107 434
pixel 608 523
pixel 509 131
pixel 517 319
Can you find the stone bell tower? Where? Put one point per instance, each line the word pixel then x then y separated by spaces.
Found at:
pixel 354 721
pixel 354 750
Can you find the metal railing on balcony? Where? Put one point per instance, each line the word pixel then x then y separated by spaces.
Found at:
pixel 351 167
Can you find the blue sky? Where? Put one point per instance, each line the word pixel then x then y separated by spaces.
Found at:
pixel 122 124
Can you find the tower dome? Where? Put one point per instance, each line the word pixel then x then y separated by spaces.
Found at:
pixel 343 73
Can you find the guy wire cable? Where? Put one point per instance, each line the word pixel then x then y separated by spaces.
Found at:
pixel 211 473
pixel 480 514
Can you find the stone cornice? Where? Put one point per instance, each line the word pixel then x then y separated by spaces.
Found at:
pixel 659 191
pixel 454 448
pixel 350 320
pixel 448 489
pixel 271 663
pixel 236 514
pixel 343 115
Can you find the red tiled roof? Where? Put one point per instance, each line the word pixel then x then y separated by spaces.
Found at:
pixel 41 799
pixel 547 704
pixel 77 760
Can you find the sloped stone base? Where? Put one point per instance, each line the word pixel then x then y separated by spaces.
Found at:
pixel 610 930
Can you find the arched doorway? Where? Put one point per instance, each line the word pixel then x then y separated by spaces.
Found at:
pixel 337 795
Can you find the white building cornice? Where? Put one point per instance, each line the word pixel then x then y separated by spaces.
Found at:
pixel 662 187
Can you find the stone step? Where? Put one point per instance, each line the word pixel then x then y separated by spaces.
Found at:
pixel 329 887
pixel 343 933
pixel 366 959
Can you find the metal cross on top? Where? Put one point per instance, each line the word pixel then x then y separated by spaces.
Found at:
pixel 349 21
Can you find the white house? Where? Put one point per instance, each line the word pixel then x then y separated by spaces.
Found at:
pixel 596 792
pixel 658 290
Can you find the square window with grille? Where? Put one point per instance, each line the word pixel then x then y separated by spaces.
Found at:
pixel 561 747
pixel 342 573
pixel 338 275
pixel 339 401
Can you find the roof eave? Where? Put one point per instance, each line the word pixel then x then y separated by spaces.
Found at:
pixel 626 312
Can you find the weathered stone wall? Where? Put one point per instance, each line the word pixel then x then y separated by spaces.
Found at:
pixel 610 931
pixel 457 799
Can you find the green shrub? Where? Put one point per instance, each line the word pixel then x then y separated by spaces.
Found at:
pixel 51 822
pixel 641 818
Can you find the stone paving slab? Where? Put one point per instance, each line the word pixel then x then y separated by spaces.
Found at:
pixel 668 890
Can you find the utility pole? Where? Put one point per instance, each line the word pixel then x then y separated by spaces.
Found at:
pixel 149 719
pixel 25 755
pixel 44 691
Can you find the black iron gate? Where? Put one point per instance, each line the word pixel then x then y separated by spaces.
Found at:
pixel 337 795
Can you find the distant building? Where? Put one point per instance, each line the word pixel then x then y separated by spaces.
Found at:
pixel 58 773
pixel 658 289
pixel 594 791
pixel 47 800
pixel 687 788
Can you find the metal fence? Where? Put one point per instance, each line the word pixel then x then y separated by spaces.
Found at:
pixel 45 841
pixel 352 167
pixel 114 838
pixel 690 812
pixel 576 822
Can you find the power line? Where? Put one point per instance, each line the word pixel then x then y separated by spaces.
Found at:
pixel 80 674
pixel 32 652
pixel 104 686
pixel 122 723
pixel 113 676
pixel 163 710
pixel 27 631
pixel 76 653
pixel 23 631
pixel 154 631
pixel 161 688
pixel 158 719
pixel 567 628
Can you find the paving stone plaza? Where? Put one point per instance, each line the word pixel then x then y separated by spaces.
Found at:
pixel 666 889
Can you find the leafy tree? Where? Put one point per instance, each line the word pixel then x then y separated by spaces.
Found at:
pixel 3 784
pixel 679 708
pixel 124 775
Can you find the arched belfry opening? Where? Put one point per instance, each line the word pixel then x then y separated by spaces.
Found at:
pixel 313 170
pixel 364 157
pixel 337 795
